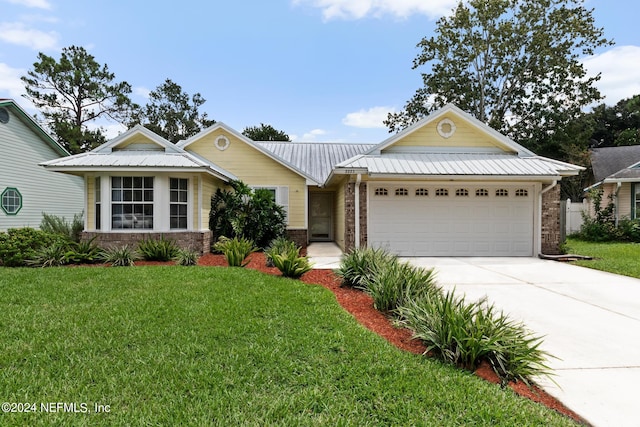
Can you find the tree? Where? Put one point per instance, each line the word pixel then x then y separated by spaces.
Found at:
pixel 72 93
pixel 618 124
pixel 265 133
pixel 513 64
pixel 172 113
pixel 244 212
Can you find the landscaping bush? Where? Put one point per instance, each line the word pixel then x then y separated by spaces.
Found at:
pixel 53 255
pixel 17 245
pixel 466 333
pixel 121 256
pixel 59 225
pixel 359 266
pixel 278 245
pixel 83 252
pixel 186 257
pixel 235 250
pixel 246 213
pixel 157 249
pixel 291 264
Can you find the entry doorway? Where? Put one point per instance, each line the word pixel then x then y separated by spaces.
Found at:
pixel 320 217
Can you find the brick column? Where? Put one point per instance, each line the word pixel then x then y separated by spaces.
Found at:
pixel 550 236
pixel 349 216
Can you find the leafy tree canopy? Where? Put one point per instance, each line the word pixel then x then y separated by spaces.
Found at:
pixel 74 91
pixel 172 113
pixel 513 64
pixel 265 133
pixel 617 125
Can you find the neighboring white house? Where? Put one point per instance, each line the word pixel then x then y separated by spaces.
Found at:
pixel 26 189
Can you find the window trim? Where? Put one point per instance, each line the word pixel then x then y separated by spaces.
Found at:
pixel 143 202
pixel 282 196
pixel 2 203
pixel 179 203
pixel 635 188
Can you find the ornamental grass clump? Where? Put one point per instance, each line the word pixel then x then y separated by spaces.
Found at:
pixel 291 264
pixel 466 333
pixel 158 249
pixel 278 245
pixel 120 256
pixel 235 250
pixel 360 265
pixel 187 257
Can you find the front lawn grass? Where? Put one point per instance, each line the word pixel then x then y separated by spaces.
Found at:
pixel 220 346
pixel 614 257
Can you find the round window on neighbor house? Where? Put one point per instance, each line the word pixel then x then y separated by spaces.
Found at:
pixel 11 201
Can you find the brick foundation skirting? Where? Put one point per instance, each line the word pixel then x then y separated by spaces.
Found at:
pixel 194 240
pixel 300 237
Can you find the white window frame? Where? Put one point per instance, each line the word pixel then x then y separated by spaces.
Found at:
pixel 179 203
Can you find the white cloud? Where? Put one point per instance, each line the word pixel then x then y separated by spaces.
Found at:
pixel 310 136
pixel 10 82
pixel 17 33
pixel 141 91
pixel 38 4
pixel 357 9
pixel 368 119
pixel 620 72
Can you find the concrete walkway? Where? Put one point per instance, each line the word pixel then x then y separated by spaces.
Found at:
pixel 590 321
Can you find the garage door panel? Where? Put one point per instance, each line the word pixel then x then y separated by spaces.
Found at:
pixel 451 225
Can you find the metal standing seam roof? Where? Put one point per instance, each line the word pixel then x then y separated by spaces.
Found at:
pixel 453 164
pixel 135 158
pixel 316 159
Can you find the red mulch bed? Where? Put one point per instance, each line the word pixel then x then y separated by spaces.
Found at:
pixel 360 305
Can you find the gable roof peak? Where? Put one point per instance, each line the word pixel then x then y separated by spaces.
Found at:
pixel 470 119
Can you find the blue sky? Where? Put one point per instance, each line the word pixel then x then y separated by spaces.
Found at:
pixel 320 70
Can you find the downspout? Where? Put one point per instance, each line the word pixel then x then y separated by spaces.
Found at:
pixel 544 190
pixel 357 214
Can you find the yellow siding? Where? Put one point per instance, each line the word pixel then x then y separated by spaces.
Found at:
pixel 135 139
pixel 208 189
pixel 91 206
pixel 255 169
pixel 464 136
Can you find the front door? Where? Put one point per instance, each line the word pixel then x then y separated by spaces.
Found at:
pixel 321 217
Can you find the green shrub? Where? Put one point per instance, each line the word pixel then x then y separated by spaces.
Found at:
pixel 291 264
pixel 121 256
pixel 250 214
pixel 278 245
pixel 466 333
pixel 17 245
pixel 359 266
pixel 59 225
pixel 53 255
pixel 157 249
pixel 83 252
pixel 235 250
pixel 186 257
pixel 389 281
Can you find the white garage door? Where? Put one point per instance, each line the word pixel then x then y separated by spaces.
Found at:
pixel 452 220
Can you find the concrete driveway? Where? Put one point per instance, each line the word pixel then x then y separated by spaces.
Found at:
pixel 590 320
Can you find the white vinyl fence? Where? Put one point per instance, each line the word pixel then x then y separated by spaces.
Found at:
pixel 573 215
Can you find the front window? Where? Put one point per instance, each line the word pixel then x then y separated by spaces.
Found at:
pixel 178 188
pixel 98 204
pixel 131 202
